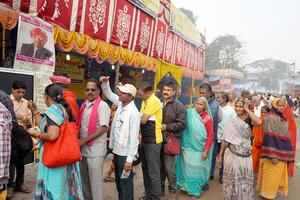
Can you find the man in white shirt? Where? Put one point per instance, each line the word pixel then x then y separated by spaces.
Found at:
pixel 227 113
pixel 258 104
pixel 124 135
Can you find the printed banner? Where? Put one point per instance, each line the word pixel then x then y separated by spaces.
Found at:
pixel 158 45
pixel 61 12
pixel 26 6
pixel 182 25
pixel 144 34
pixel 74 66
pixel 35 42
pixel 124 24
pixel 179 52
pixel 185 53
pixel 170 46
pixel 150 6
pixel 94 19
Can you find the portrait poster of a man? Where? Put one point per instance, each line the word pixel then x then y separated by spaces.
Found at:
pixel 36 49
pixel 35 42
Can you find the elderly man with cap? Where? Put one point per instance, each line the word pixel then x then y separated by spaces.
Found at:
pixel 36 49
pixel 124 135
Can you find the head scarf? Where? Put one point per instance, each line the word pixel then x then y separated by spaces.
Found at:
pixel 39 32
pixel 60 80
pixel 289 116
pixel 274 107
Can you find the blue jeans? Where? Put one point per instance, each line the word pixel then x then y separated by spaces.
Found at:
pixel 124 185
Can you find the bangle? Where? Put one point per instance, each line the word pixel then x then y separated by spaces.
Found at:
pixel 36 113
pixel 39 136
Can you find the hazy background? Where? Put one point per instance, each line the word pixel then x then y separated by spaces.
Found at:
pixel 267 28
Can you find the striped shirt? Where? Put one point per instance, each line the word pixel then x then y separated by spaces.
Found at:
pixel 5 144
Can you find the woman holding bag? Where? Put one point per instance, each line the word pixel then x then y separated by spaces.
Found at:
pixel 62 182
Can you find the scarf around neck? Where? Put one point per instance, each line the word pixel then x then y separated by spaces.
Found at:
pixel 93 117
pixel 276 139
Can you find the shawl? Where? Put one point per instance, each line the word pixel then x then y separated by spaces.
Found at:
pixel 276 138
pixel 93 117
pixel 238 133
pixel 288 114
pixel 70 98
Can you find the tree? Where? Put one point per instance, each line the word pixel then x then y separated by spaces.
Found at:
pixel 189 14
pixel 269 72
pixel 224 52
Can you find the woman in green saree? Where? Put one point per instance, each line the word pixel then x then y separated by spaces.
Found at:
pixel 61 183
pixel 194 161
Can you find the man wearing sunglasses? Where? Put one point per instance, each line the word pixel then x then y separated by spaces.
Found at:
pixel 93 121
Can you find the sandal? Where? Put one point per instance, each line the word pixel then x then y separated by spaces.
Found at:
pixel 109 179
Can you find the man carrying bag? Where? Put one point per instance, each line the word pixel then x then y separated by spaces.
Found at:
pixel 174 122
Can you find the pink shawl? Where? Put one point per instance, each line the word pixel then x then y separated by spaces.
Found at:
pixel 93 118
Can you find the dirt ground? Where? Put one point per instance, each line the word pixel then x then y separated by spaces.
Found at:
pixel 215 192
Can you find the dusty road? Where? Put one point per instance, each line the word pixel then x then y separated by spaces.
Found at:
pixel 214 193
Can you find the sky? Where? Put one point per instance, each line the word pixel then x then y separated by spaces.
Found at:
pixel 266 28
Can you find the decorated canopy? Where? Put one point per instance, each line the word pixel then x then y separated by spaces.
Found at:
pixel 135 32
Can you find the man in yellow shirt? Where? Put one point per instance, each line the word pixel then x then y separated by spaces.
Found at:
pixel 151 124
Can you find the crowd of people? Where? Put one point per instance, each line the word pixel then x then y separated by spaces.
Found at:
pixel 251 138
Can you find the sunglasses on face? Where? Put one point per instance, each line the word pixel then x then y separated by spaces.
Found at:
pixel 92 90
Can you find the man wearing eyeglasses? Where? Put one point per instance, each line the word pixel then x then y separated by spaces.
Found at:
pixel 93 121
pixel 124 135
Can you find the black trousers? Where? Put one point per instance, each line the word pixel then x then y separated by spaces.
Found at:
pixel 19 167
pixel 124 185
pixel 167 171
pixel 150 155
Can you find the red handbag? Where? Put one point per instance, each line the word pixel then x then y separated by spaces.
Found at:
pixel 65 149
pixel 172 146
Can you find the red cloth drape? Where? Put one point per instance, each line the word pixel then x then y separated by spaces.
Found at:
pixel 288 114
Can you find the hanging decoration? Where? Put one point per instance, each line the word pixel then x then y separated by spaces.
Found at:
pixel 165 68
pixel 8 18
pixel 67 41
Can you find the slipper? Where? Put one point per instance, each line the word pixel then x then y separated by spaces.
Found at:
pixel 109 179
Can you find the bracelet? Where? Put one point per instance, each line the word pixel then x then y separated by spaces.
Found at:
pixel 39 136
pixel 36 113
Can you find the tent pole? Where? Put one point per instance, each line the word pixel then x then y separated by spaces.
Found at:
pixel 3 44
pixel 192 91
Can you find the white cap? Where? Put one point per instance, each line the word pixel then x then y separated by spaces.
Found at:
pixel 128 89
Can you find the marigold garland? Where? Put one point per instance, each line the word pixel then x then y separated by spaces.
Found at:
pixel 83 44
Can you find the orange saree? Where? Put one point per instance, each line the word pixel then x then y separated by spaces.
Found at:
pixel 256 146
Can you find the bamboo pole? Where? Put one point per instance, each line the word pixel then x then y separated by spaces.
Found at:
pixel 3 44
pixel 191 97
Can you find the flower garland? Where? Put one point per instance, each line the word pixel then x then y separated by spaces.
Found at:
pixel 67 41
